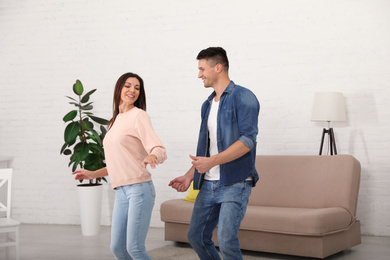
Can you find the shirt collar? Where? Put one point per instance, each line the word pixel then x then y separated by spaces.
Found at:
pixel 228 89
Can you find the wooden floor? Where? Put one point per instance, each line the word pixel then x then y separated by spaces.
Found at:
pixel 65 242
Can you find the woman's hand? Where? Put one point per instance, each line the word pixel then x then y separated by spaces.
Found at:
pixel 83 175
pixel 150 159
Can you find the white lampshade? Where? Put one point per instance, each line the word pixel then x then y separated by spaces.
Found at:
pixel 328 106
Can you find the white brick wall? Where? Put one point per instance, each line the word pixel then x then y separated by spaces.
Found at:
pixel 283 50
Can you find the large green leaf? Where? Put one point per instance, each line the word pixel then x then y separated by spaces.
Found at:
pixel 81 150
pixel 72 143
pixel 86 96
pixel 78 88
pixel 71 132
pixel 70 116
pixel 98 120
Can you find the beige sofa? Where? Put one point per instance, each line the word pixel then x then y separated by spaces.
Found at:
pixel 302 205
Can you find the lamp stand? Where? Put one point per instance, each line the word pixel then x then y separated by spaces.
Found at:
pixel 331 141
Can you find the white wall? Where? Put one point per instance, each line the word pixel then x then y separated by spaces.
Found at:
pixel 283 50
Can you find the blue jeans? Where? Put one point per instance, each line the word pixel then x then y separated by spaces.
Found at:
pixel 220 205
pixel 130 220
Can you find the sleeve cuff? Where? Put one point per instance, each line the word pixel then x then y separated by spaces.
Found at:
pixel 247 141
pixel 160 153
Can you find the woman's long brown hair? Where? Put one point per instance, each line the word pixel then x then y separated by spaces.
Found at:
pixel 140 102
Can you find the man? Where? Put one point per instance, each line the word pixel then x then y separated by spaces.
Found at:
pixel 224 168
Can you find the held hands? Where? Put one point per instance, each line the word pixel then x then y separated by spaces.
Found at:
pixel 83 175
pixel 202 164
pixel 150 159
pixel 181 184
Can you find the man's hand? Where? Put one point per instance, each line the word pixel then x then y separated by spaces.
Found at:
pixel 202 164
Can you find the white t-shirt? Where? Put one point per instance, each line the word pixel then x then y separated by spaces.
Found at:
pixel 213 173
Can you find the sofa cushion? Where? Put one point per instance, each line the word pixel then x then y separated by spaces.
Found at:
pixel 301 221
pixel 177 210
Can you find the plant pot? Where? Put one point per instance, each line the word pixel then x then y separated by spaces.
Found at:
pixel 90 198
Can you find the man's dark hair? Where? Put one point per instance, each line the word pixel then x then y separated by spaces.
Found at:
pixel 216 55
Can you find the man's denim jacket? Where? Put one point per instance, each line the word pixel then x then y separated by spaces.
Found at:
pixel 237 120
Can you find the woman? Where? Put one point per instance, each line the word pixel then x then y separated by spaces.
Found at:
pixel 130 145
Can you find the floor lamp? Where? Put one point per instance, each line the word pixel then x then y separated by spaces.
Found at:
pixel 329 107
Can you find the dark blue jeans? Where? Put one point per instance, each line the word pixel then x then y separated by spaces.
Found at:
pixel 224 206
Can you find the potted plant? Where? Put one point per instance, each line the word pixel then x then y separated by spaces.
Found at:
pixel 84 145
